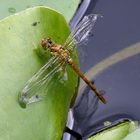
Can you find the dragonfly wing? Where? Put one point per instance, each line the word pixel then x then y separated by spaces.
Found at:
pixel 82 31
pixel 34 88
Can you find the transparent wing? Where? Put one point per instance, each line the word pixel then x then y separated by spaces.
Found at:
pixel 34 88
pixel 82 31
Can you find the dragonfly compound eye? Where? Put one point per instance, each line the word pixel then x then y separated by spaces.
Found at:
pixel 44 43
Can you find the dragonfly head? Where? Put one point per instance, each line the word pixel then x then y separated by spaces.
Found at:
pixel 46 43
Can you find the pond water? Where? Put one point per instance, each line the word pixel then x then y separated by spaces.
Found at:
pixel 113 61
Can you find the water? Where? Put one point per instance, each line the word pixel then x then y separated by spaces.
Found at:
pixel 121 86
pixel 118 30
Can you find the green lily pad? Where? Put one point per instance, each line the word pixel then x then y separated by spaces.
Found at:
pixel 133 136
pixel 66 7
pixel 19 36
pixel 117 132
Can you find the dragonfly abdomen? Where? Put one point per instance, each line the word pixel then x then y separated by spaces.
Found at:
pixel 81 75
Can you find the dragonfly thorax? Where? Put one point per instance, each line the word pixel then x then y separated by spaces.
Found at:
pixel 55 49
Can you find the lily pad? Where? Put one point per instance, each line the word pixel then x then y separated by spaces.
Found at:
pixel 19 37
pixel 133 136
pixel 66 7
pixel 116 133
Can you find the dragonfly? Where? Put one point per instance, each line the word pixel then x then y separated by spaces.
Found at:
pixel 60 57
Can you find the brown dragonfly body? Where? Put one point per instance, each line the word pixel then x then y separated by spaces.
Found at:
pixel 61 55
pixel 64 55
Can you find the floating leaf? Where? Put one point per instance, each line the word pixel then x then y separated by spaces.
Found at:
pixel 19 37
pixel 115 133
pixel 66 7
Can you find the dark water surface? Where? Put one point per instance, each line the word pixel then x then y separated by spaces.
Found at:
pixel 118 29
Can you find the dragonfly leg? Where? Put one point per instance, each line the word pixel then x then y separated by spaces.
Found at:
pixel 64 74
pixel 63 67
